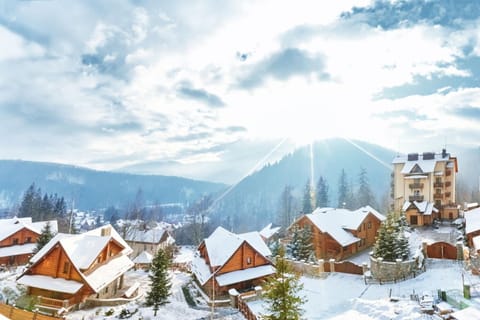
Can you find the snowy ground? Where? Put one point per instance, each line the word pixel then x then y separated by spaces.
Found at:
pixel 345 296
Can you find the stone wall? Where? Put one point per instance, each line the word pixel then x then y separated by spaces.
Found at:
pixel 394 271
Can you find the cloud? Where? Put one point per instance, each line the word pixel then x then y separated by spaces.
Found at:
pixel 406 114
pixel 283 65
pixel 201 95
pixel 402 13
pixel 471 113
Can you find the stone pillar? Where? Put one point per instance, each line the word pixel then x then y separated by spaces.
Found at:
pixel 459 246
pixel 424 248
pixel 321 268
pixel 233 293
pixel 258 292
pixel 364 268
pixel 332 265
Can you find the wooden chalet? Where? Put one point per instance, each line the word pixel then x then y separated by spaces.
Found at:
pixel 226 260
pixel 73 268
pixel 340 233
pixel 18 237
pixel 472 228
pixel 150 240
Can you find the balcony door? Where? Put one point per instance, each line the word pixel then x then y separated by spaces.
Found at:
pixel 413 220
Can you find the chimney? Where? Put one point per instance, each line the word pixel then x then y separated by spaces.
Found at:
pixel 444 153
pixel 106 231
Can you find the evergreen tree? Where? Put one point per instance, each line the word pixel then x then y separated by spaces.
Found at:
pixel 282 293
pixel 364 193
pixel 391 243
pixel 275 248
pixel 286 207
pixel 45 236
pixel 301 246
pixel 322 193
pixel 159 281
pixel 343 190
pixel 293 247
pixel 308 198
pixel 31 203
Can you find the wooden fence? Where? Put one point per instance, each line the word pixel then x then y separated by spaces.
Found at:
pixel 442 250
pixel 19 314
pixel 348 267
pixel 245 309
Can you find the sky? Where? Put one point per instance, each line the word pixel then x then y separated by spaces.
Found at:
pixel 214 89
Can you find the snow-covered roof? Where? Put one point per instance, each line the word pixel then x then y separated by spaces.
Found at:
pixel 201 269
pixel 472 220
pixel 143 258
pixel 13 225
pixel 229 278
pixel 268 231
pixel 84 249
pixel 468 313
pixel 114 234
pixel 17 250
pixel 476 243
pixel 50 283
pixel 426 166
pixel 256 241
pixel 424 207
pixel 149 236
pixel 106 273
pixel 416 176
pixel 337 222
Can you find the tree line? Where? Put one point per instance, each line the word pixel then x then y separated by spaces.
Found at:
pixel 349 196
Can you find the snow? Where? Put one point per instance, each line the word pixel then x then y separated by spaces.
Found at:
pixel 472 220
pixel 423 206
pixel 114 234
pixel 268 231
pixel 50 283
pixel 467 314
pixel 255 240
pixel 185 254
pixel 143 258
pixel 17 250
pixel 13 225
pixel 83 249
pixel 106 273
pixel 149 236
pixel 345 296
pixel 226 279
pixel 201 269
pixel 221 244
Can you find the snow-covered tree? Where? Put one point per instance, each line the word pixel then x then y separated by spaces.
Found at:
pixel 364 193
pixel 308 198
pixel 159 281
pixel 45 236
pixel 286 207
pixel 282 293
pixel 391 243
pixel 301 246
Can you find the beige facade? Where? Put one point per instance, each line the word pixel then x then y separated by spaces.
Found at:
pixel 427 178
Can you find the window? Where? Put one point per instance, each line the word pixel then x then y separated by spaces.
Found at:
pixel 28 240
pixel 369 225
pixel 66 267
pixel 249 260
pixel 15 240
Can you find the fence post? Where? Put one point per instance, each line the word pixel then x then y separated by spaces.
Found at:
pixel 321 267
pixel 332 265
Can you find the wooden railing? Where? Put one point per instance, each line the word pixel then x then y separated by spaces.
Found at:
pixel 438 185
pixel 415 185
pixel 415 198
pixel 18 314
pixel 438 195
pixel 244 308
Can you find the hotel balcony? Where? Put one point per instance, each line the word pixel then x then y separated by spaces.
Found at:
pixel 415 198
pixel 438 185
pixel 448 184
pixel 438 196
pixel 415 185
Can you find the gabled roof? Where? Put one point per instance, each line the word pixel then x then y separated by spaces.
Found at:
pixel 268 231
pixel 424 207
pixel 143 258
pixel 13 225
pixel 83 249
pixel 221 246
pixel 149 236
pixel 337 222
pixel 425 165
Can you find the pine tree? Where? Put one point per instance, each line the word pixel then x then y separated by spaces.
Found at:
pixel 159 281
pixel 45 236
pixel 364 193
pixel 282 293
pixel 391 243
pixel 343 192
pixel 322 193
pixel 308 198
pixel 286 207
pixel 293 247
pixel 301 246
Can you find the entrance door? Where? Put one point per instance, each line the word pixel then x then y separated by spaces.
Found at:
pixel 413 220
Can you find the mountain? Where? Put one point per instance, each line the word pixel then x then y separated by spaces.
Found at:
pixel 254 201
pixel 91 189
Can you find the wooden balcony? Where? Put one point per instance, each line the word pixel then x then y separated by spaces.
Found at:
pixel 415 198
pixel 415 185
pixel 448 172
pixel 438 196
pixel 447 194
pixel 438 185
pixel 448 184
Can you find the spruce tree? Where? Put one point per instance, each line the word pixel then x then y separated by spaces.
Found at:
pixel 391 243
pixel 286 207
pixel 293 247
pixel 308 198
pixel 159 281
pixel 343 190
pixel 281 293
pixel 364 195
pixel 322 193
pixel 45 236
pixel 305 249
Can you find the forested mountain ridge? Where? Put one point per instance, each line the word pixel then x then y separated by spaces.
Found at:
pixel 91 189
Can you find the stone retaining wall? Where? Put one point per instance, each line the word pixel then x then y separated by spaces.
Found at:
pixel 394 271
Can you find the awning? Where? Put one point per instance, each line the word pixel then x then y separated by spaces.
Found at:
pixel 244 275
pixel 50 283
